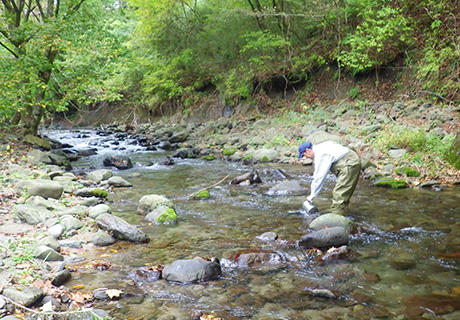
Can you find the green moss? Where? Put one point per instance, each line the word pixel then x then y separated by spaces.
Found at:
pixel 202 195
pixel 406 171
pixel 453 154
pixel 229 151
pixel 248 157
pixel 389 182
pixel 100 193
pixel 264 159
pixel 168 216
pixel 209 157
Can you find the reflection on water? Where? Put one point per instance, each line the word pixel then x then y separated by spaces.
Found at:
pixel 406 250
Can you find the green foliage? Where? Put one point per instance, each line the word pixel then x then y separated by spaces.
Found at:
pixel 381 34
pixel 19 259
pixel 55 57
pixel 407 171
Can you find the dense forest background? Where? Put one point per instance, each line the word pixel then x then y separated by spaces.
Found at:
pixel 164 55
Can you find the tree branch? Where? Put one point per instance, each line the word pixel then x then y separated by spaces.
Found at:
pixel 8 49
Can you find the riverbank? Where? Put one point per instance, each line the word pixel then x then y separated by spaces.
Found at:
pixel 253 139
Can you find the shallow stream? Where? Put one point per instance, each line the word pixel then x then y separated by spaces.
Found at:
pixel 406 250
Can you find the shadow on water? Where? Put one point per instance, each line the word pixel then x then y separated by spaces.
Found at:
pixel 406 250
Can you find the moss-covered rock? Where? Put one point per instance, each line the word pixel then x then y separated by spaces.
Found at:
pixel 202 195
pixel 453 156
pixel 392 183
pixel 209 157
pixel 168 216
pixel 407 171
pixel 229 151
pixel 162 215
pixel 92 192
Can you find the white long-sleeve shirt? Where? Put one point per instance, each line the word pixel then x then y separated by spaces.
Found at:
pixel 325 154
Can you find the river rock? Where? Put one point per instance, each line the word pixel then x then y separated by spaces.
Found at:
pixel 120 162
pixel 162 215
pixel 265 155
pixel 40 187
pixel 331 220
pixel 37 141
pixel 25 295
pixel 150 202
pixel 71 223
pixel 50 242
pixel 290 187
pixel 179 136
pixel 97 210
pixel 102 239
pixel 42 202
pixel 61 277
pixel 117 181
pixel 325 238
pixel 252 259
pixel 99 175
pixel 92 192
pixel 192 270
pixel 120 229
pixel 33 214
pixel 48 254
pixel 56 231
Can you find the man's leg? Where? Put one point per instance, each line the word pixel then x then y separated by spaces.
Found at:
pixel 347 171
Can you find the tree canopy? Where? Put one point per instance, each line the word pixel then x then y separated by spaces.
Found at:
pixel 160 53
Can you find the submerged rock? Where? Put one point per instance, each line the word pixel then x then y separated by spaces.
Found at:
pixel 290 187
pixel 325 238
pixel 192 270
pixel 120 229
pixel 119 161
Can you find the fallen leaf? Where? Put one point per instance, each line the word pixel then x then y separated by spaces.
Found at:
pixel 113 293
pixel 78 287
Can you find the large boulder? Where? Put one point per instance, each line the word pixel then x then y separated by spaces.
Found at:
pixel 40 187
pixel 150 202
pixel 325 238
pixel 192 270
pixel 120 229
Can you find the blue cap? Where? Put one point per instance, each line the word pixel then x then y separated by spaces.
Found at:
pixel 304 146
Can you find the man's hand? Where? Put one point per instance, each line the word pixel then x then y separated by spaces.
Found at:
pixel 310 198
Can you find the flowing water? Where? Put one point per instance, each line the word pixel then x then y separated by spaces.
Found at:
pixel 405 259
